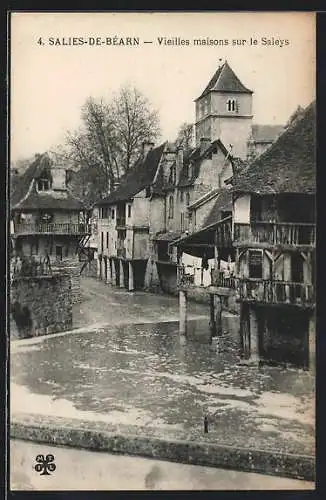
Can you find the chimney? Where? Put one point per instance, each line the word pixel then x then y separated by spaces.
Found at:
pixel 204 144
pixel 179 163
pixel 147 146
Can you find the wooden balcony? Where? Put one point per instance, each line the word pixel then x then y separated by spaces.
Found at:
pixel 275 292
pixel 271 234
pixel 51 228
pixel 192 277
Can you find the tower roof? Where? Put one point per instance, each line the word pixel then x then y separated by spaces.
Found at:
pixel 225 80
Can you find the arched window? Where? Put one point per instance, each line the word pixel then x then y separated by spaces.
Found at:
pixel 171 207
pixel 189 171
pixel 231 105
pixel 188 199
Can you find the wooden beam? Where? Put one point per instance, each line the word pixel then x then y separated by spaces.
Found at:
pixel 304 256
pixel 269 255
pixel 203 245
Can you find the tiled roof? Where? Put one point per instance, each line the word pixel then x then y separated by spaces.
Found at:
pixel 289 165
pixel 225 80
pixel 223 203
pixel 140 177
pixel 265 133
pixel 26 197
pixel 168 236
pixel 203 199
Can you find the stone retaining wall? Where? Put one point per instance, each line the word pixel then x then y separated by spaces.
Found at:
pixel 72 268
pixel 41 304
pixel 104 437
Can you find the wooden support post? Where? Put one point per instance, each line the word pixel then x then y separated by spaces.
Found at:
pixel 113 273
pixel 312 343
pixel 130 277
pixel 182 313
pixel 109 273
pixel 98 269
pixel 121 275
pixel 254 336
pixel 218 315
pixel 212 323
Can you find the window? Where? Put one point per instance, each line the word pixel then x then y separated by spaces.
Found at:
pixel 67 251
pixel 232 105
pixel 102 241
pixel 255 264
pixel 190 171
pixel 129 210
pixel 107 239
pixel 103 212
pixel 112 213
pixel 187 199
pixel 43 185
pixel 181 196
pixel 171 207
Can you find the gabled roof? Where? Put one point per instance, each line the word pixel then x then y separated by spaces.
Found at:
pixel 223 203
pixel 140 177
pixel 26 197
pixel 289 165
pixel 195 158
pixel 168 236
pixel 225 80
pixel 265 133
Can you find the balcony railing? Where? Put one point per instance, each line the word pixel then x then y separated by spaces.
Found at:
pixel 223 279
pixel 275 292
pixel 276 233
pixel 49 228
pixel 190 276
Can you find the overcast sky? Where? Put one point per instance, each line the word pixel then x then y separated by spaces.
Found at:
pixel 49 84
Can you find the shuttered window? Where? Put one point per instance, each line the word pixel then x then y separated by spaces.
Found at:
pixel 255 264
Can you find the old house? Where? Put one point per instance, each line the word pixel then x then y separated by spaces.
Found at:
pixel 274 233
pixel 186 181
pixel 47 221
pixel 123 225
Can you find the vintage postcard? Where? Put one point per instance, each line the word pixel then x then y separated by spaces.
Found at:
pixel 162 251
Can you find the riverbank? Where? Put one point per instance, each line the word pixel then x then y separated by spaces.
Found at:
pixel 138 379
pixel 175 446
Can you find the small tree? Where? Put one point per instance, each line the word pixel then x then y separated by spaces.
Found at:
pixel 185 136
pixel 135 122
pixel 109 141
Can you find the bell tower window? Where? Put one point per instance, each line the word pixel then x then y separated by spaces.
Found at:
pixel 232 105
